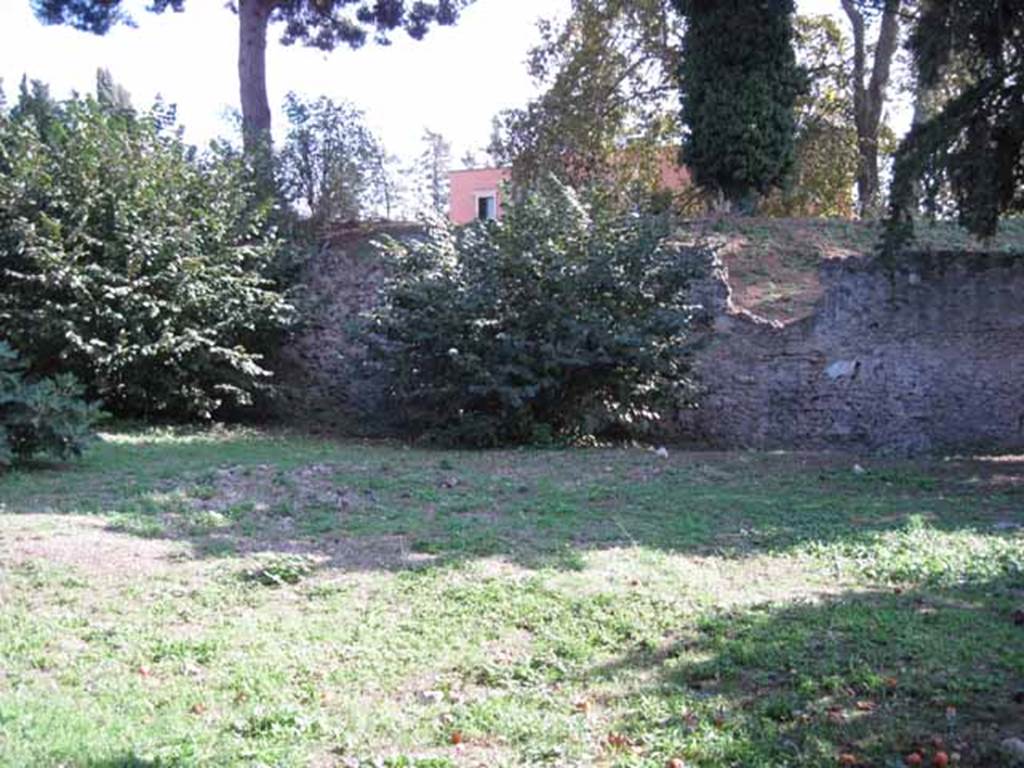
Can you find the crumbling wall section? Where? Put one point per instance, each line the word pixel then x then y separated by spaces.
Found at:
pixel 925 355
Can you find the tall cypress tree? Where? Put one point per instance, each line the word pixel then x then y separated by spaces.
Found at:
pixel 739 81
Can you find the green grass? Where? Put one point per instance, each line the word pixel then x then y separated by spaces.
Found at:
pixel 233 597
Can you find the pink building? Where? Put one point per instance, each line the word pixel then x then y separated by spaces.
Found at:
pixel 476 193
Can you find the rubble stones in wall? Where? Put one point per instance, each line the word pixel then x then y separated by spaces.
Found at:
pixel 924 356
pixel 325 377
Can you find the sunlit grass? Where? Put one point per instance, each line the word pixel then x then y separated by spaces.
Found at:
pixel 231 597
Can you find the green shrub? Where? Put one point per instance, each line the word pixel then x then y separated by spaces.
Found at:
pixel 132 260
pixel 563 320
pixel 45 416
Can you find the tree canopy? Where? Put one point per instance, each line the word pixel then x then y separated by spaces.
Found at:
pixel 739 81
pixel 826 142
pixel 967 158
pixel 605 113
pixel 322 24
pixel 330 160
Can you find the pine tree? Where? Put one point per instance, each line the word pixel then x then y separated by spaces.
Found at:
pixel 739 81
pixel 967 156
pixel 322 24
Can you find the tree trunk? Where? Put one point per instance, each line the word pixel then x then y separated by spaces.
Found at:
pixel 869 96
pixel 253 17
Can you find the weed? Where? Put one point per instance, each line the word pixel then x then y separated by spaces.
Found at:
pixel 279 569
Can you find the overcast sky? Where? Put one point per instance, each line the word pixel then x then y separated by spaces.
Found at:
pixel 453 82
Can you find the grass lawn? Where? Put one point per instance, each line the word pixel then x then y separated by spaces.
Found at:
pixel 234 597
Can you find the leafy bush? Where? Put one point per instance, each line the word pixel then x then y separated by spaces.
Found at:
pixel 132 260
pixel 561 321
pixel 45 416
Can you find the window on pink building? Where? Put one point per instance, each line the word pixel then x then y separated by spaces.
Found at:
pixel 486 207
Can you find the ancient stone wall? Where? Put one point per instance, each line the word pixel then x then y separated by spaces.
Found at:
pixel 324 376
pixel 927 356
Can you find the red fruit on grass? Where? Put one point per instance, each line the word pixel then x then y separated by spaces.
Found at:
pixel 940 760
pixel 914 758
pixel 456 737
pixel 617 740
pixel 675 762
pixel 847 759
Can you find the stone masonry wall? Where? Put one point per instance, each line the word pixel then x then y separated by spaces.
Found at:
pixel 927 356
pixel 324 381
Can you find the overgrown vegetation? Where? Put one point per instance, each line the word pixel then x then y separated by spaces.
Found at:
pixel 561 321
pixel 603 607
pixel 40 416
pixel 132 260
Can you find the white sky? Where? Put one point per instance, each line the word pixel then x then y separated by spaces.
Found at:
pixel 454 81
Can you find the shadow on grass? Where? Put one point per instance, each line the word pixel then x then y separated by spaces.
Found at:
pixel 371 506
pixel 877 675
pixel 125 761
pixel 415 509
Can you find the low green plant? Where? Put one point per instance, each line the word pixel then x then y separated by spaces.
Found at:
pixel 41 416
pixel 279 569
pixel 563 320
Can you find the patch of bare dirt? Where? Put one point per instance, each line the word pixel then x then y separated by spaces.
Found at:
pixel 266 487
pixel 774 264
pixel 84 544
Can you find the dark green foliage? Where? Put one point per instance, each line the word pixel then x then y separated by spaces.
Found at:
pixel 740 83
pixel 969 156
pixel 323 24
pixel 131 260
pixel 42 416
pixel 560 321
